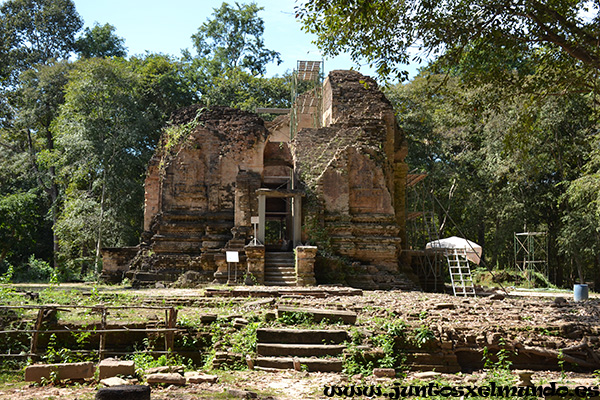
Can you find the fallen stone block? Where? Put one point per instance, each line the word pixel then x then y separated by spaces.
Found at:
pixel 310 364
pixel 166 378
pixel 300 350
pixel 243 394
pixel 126 392
pixel 110 367
pixel 208 319
pixel 196 377
pixel 37 372
pixel 427 375
pixel 113 381
pixel 445 306
pixel 165 369
pixel 384 372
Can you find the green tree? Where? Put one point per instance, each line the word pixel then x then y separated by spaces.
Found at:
pixel 103 134
pixel 164 86
pixel 392 34
pixel 231 58
pixel 239 89
pixel 36 31
pixel 107 130
pixel 101 41
pixel 36 102
pixel 499 164
pixel 233 38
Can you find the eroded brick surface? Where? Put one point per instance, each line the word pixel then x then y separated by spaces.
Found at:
pixel 347 157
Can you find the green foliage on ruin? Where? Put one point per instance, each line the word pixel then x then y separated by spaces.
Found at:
pixel 388 338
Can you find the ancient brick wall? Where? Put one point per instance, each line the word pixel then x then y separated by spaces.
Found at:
pixel 209 162
pixel 201 185
pixel 354 172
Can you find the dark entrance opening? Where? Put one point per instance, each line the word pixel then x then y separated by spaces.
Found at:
pixel 278 224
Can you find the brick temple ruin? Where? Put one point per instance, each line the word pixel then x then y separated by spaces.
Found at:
pixel 324 185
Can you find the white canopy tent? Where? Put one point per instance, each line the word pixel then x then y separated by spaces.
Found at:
pixel 472 249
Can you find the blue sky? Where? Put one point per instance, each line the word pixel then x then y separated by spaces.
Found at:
pixel 166 27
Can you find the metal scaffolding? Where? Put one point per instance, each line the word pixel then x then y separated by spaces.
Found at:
pixel 422 228
pixel 307 93
pixel 531 253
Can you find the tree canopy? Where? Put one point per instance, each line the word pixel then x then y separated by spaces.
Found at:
pixel 35 31
pixel 101 41
pixel 234 38
pixel 392 34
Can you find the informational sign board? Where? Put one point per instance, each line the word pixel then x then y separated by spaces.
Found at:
pixel 254 220
pixel 232 256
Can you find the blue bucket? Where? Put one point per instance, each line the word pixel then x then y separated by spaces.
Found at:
pixel 580 292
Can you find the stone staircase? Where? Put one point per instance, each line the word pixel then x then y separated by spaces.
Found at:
pixel 280 269
pixel 300 348
pixel 311 349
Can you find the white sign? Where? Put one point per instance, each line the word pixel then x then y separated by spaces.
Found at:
pixel 254 220
pixel 232 256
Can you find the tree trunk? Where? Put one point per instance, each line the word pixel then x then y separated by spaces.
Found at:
pixel 51 191
pixel 481 241
pixel 3 255
pixel 579 270
pixel 99 241
pixel 54 199
pixel 54 210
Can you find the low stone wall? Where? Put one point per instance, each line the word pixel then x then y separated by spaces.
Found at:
pixel 115 262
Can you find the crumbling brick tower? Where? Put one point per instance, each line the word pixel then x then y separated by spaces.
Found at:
pixel 355 177
pixel 339 186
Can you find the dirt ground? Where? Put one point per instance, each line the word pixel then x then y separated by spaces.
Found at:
pixel 285 385
pixel 533 319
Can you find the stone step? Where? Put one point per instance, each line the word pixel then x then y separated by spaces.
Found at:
pixel 281 282
pixel 280 272
pixel 301 336
pixel 280 261
pixel 280 257
pixel 285 267
pixel 279 254
pixel 318 315
pixel 280 264
pixel 282 278
pixel 311 364
pixel 299 350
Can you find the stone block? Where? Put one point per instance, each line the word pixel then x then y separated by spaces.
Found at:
pixel 110 367
pixel 165 369
pixel 305 265
pixel 255 256
pixel 314 336
pixel 37 372
pixel 300 350
pixel 166 378
pixel 125 392
pixel 197 377
pixel 311 364
pixel 114 381
pixel 384 372
pixel 318 315
pixel 427 375
pixel 242 394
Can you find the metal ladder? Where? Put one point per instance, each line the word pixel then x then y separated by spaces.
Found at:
pixel 460 273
